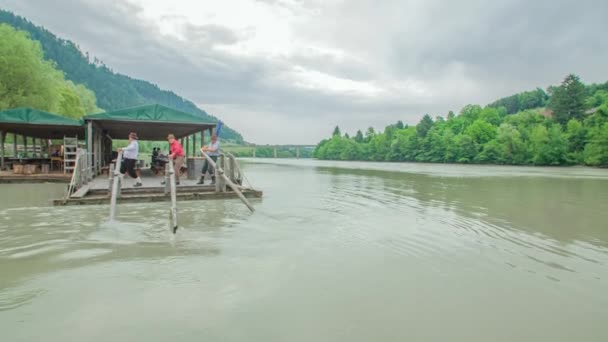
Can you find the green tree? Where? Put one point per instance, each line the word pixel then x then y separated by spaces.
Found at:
pixel 337 132
pixel 513 148
pixel 490 153
pixel 568 100
pixel 596 151
pixel 424 125
pixel 548 146
pixel 576 134
pixel 359 136
pixel 466 148
pixel 399 125
pixel 481 131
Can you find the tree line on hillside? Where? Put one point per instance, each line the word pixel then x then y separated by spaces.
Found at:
pixel 565 126
pixel 113 91
pixel 28 80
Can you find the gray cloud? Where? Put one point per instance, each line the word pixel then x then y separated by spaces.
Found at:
pixel 470 51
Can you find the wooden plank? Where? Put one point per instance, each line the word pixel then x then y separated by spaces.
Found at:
pixel 80 193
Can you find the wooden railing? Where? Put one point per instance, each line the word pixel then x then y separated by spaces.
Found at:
pixel 222 180
pixel 81 174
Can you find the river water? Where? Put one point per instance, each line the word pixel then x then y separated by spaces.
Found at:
pixel 336 251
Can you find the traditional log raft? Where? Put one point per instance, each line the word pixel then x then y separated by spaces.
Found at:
pixel 97 197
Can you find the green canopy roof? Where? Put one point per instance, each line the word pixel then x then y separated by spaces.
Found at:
pixel 150 122
pixel 39 124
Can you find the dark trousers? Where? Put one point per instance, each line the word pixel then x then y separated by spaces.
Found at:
pixel 128 166
pixel 207 167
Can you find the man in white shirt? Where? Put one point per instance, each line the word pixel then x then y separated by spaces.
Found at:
pixel 129 159
pixel 213 150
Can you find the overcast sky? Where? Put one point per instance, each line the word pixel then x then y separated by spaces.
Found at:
pixel 288 71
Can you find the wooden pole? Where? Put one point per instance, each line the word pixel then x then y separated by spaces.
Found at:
pixel 34 147
pixel 234 187
pixel 115 186
pixel 14 145
pixel 173 210
pixel 24 145
pixel 2 137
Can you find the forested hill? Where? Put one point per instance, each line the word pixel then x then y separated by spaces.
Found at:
pixel 113 90
pixel 566 125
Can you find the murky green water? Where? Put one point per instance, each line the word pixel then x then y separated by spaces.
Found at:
pixel 335 252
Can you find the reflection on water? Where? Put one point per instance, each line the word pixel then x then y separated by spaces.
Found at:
pixel 334 251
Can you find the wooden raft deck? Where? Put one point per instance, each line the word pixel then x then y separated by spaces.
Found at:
pixel 8 177
pixel 96 192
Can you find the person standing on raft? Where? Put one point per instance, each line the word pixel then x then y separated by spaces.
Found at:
pixel 129 159
pixel 213 150
pixel 176 153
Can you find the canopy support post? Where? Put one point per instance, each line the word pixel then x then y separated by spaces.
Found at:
pixel 2 137
pixel 24 145
pixel 89 149
pixel 14 145
pixel 193 145
pixel 187 146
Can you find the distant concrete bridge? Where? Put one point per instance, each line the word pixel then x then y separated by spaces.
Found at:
pixel 275 148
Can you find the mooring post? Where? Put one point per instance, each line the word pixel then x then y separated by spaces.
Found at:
pixel 115 186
